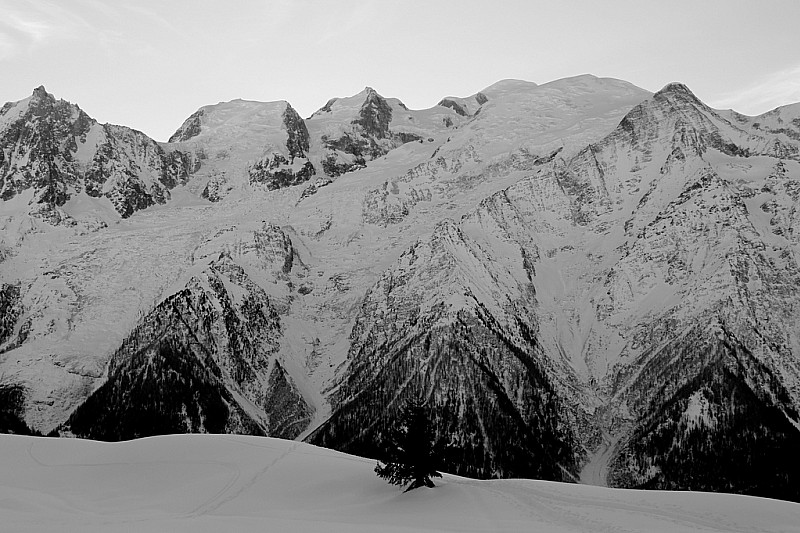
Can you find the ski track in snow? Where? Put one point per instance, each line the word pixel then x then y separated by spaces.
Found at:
pixel 228 494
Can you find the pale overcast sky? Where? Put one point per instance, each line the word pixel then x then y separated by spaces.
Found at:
pixel 149 64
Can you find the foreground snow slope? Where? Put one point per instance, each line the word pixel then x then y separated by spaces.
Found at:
pixel 206 483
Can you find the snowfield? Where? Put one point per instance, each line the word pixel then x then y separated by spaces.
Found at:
pixel 237 483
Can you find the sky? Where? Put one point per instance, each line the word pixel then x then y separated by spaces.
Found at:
pixel 149 64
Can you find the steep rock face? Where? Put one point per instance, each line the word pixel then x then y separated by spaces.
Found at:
pixel 297 142
pixel 119 161
pixel 191 127
pixel 10 311
pixel 203 360
pixel 375 115
pixel 54 149
pixel 428 329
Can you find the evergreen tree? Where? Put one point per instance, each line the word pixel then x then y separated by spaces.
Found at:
pixel 411 456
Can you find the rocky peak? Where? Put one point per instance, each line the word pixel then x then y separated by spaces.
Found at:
pixel 190 127
pixel 677 88
pixel 298 140
pixel 40 93
pixel 677 92
pixel 52 147
pixel 375 114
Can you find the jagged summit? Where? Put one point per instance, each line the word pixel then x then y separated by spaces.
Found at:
pixel 678 92
pixel 56 153
pixel 675 88
pixel 41 92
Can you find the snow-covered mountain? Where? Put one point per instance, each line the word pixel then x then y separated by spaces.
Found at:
pixel 585 280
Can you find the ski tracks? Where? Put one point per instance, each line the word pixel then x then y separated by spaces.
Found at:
pixel 585 513
pixel 233 489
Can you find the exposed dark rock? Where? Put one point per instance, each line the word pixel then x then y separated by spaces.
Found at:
pixel 39 152
pixel 332 167
pixel 215 188
pixel 275 172
pixel 356 145
pixel 190 128
pixel 375 115
pixel 130 196
pixel 675 88
pixel 290 415
pixel 327 107
pixel 38 149
pixel 455 106
pixel 297 142
pixel 405 137
pixel 10 311
pixel 275 249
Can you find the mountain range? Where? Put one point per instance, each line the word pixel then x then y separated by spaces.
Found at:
pixel 585 281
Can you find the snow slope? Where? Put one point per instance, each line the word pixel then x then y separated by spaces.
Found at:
pixel 208 483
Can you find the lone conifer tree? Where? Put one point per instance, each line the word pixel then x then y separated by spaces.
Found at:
pixel 411 456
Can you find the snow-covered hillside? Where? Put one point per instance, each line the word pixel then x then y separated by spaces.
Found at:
pixel 209 483
pixel 585 280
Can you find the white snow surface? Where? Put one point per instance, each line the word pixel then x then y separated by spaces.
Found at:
pixel 234 483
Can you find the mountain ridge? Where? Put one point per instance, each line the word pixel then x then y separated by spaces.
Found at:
pixel 560 269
